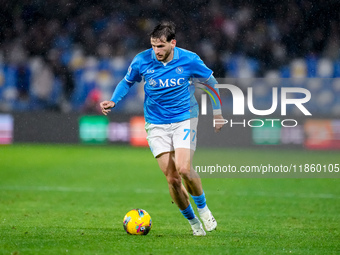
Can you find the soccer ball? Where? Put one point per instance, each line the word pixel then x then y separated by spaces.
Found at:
pixel 137 222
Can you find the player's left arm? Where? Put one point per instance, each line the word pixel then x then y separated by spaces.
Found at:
pixel 206 77
pixel 216 105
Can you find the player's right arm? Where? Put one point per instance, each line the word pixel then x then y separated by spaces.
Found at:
pixel 121 90
pixel 106 106
pixel 123 87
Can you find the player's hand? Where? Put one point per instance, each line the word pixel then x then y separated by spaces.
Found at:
pixel 218 124
pixel 105 106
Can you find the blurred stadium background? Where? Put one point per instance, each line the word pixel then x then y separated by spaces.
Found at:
pixel 60 58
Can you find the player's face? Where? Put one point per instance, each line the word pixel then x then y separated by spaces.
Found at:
pixel 163 49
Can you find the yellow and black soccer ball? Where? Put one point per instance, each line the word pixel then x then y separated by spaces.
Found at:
pixel 137 222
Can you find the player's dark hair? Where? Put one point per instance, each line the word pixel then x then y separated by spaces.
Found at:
pixel 166 29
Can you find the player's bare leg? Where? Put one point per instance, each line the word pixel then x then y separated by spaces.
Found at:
pixel 177 191
pixel 183 161
pixel 192 181
pixel 176 188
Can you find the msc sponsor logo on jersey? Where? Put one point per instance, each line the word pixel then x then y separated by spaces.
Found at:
pixel 171 82
pixel 167 82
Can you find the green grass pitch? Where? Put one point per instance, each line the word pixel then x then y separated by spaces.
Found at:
pixel 71 199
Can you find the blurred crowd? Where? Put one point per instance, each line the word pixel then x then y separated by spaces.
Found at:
pixel 45 43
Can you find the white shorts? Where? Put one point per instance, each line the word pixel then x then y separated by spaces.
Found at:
pixel 168 137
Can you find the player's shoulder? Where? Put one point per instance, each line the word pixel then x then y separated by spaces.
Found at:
pixel 145 55
pixel 187 53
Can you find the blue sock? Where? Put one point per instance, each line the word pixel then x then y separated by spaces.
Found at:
pixel 188 213
pixel 200 200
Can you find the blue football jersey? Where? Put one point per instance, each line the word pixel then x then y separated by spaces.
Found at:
pixel 169 96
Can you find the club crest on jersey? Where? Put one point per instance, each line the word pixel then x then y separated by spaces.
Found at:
pixel 179 70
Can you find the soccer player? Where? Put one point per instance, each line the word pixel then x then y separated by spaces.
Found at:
pixel 171 115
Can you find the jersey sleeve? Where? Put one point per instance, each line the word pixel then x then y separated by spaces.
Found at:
pixel 133 75
pixel 199 69
pixel 205 76
pixel 121 90
pixel 216 104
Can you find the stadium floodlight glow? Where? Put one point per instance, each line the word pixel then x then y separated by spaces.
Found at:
pixel 239 100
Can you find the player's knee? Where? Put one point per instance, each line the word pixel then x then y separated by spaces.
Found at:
pixel 174 180
pixel 184 171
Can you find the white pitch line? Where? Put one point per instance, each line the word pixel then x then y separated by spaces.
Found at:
pixel 281 195
pixel 165 191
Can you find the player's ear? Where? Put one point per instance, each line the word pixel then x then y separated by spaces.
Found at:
pixel 173 43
